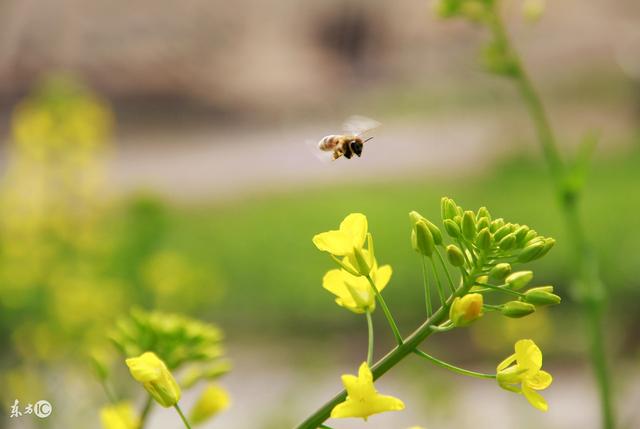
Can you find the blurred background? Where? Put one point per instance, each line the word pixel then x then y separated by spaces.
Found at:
pixel 153 155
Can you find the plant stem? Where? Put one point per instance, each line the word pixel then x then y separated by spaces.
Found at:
pixel 145 412
pixel 109 392
pixel 438 283
pixel 446 270
pixel 427 291
pixel 452 367
pixel 184 419
pixel 500 289
pixel 370 346
pixel 385 310
pixel 394 356
pixel 592 291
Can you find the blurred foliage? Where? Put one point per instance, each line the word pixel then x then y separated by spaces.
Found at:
pixel 71 259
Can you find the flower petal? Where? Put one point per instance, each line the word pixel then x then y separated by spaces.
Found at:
pixel 535 399
pixel 505 363
pixel 335 242
pixel 355 227
pixel 382 276
pixel 528 355
pixel 540 380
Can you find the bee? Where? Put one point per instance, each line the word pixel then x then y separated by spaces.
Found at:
pixel 351 143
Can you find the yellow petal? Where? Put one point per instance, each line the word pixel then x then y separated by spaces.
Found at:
pixel 213 400
pixel 535 399
pixel 146 367
pixel 540 380
pixel 119 416
pixel 335 242
pixel 505 363
pixel 333 281
pixel 382 276
pixel 355 226
pixel 528 355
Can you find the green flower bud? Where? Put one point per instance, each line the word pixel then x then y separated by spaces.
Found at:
pixel 484 212
pixel 548 244
pixel 507 242
pixel 469 225
pixel 496 224
pixel 519 279
pixel 452 228
pixel 531 234
pixel 421 239
pixel 500 271
pixel 448 208
pixel 503 231
pixel 484 239
pixel 517 309
pixel 435 231
pixel 361 262
pixel 520 233
pixel 483 223
pixel 465 310
pixel 531 252
pixel 455 256
pixel 542 295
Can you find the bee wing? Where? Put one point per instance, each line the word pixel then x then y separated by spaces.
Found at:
pixel 322 156
pixel 359 125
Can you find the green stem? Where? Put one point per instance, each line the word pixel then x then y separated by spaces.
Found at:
pixel 501 289
pixel 145 412
pixel 392 358
pixel 109 392
pixel 324 427
pixel 592 290
pixel 438 282
pixel 446 270
pixel 370 346
pixel 385 310
pixel 452 367
pixel 184 419
pixel 427 291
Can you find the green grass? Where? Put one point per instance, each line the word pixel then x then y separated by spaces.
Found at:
pixel 261 247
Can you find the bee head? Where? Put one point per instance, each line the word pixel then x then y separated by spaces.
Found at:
pixel 356 147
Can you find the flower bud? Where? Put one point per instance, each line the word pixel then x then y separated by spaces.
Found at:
pixel 531 234
pixel 435 231
pixel 362 265
pixel 519 279
pixel 483 212
pixel 452 228
pixel 517 309
pixel 465 310
pixel 542 295
pixel 448 208
pixel 152 372
pixel 503 231
pixel 520 233
pixel 500 271
pixel 484 239
pixel 531 252
pixel 496 224
pixel 455 256
pixel 469 225
pixel 482 223
pixel 548 244
pixel 422 240
pixel 507 242
pixel 213 400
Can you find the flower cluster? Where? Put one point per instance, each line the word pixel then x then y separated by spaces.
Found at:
pixel 483 251
pixel 155 345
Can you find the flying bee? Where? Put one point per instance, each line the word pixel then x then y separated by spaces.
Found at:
pixel 350 143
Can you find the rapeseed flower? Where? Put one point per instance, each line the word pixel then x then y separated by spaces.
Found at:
pixel 152 372
pixel 355 292
pixel 119 416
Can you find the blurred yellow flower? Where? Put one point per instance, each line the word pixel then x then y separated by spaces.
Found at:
pixel 213 400
pixel 362 398
pixel 152 372
pixel 354 292
pixel 119 416
pixel 526 376
pixel 342 242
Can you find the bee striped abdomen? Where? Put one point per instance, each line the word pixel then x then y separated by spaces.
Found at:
pixel 328 143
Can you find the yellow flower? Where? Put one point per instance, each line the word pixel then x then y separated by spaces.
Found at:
pixel 362 398
pixel 354 292
pixel 466 309
pixel 152 372
pixel 213 400
pixel 526 375
pixel 342 242
pixel 119 416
